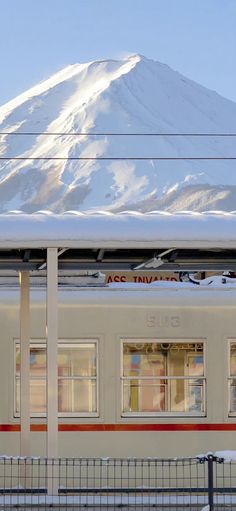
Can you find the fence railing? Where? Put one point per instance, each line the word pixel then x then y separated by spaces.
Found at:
pixel 165 484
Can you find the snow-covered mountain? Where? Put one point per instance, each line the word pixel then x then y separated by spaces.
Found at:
pixel 135 95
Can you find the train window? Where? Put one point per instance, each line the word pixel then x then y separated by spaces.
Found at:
pixel 77 379
pixel 163 378
pixel 232 379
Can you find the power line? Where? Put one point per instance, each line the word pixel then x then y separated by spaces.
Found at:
pixel 158 158
pixel 83 134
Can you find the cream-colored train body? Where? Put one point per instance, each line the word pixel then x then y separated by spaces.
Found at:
pixel 132 410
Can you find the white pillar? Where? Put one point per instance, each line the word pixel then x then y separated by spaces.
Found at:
pixel 24 364
pixel 52 377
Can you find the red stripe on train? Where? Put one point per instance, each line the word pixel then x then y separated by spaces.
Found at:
pixel 124 427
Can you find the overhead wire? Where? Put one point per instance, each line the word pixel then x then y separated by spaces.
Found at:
pixel 116 134
pixel 116 158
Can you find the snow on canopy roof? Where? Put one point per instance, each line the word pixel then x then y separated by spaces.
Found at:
pixel 127 229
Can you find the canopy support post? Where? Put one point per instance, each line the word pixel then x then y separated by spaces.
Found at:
pixel 52 376
pixel 24 364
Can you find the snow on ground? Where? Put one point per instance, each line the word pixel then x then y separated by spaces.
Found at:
pixel 134 95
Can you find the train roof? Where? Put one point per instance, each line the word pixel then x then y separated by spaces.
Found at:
pixel 161 295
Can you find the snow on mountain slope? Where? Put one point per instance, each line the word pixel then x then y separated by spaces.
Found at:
pixel 135 95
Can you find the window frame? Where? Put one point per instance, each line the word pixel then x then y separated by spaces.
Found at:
pixel 64 343
pixel 136 414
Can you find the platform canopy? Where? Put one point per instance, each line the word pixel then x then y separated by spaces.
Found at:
pixel 100 241
pixel 128 240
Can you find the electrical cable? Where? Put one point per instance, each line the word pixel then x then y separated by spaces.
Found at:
pixel 116 158
pixel 98 134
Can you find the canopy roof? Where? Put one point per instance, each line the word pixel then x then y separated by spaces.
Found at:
pixel 121 230
pixel 125 241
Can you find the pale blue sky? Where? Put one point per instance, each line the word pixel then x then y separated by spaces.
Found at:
pixel 195 37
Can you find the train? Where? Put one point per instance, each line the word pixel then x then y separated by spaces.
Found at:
pixel 143 370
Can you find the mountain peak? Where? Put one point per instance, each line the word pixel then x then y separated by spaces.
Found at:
pixel 135 56
pixel 115 96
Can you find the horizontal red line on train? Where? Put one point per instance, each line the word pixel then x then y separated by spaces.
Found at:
pixel 124 427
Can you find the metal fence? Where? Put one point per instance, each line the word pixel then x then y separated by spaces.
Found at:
pixel 108 483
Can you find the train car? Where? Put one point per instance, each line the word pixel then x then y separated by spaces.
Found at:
pixel 143 370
